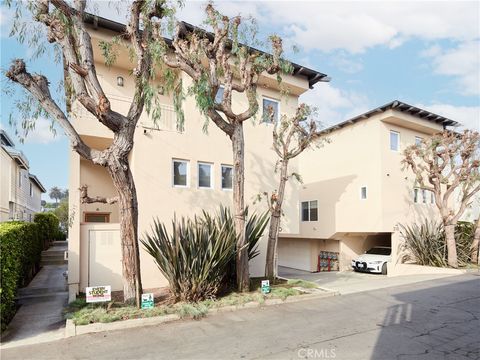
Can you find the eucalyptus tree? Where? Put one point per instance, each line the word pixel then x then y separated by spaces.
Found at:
pixel 291 136
pixel 65 27
pixel 219 59
pixel 446 164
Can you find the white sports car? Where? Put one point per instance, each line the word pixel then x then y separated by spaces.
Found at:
pixel 374 260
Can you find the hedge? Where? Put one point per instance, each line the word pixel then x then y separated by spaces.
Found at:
pixel 48 227
pixel 20 252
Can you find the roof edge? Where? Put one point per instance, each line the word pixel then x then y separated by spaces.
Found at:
pixel 36 181
pixel 312 76
pixel 399 106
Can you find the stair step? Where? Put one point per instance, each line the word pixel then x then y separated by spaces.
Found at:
pixel 61 261
pixel 51 252
pixel 60 243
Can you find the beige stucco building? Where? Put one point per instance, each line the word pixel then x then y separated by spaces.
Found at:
pixel 20 191
pixel 175 172
pixel 355 192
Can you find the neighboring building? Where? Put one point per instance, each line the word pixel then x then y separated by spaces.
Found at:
pixel 355 192
pixel 176 172
pixel 20 191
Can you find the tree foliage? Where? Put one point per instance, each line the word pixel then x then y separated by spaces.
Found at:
pixel 447 164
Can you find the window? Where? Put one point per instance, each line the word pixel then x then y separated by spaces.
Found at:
pixel 394 140
pixel 180 173
pixel 205 175
pixel 97 217
pixel 418 140
pixel 219 95
pixel 20 178
pixel 310 210
pixel 270 110
pixel 31 190
pixel 227 177
pixel 363 192
pixel 423 196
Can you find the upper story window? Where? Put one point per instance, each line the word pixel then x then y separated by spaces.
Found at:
pixel 205 175
pixel 394 140
pixel 227 177
pixel 97 217
pixel 310 210
pixel 271 110
pixel 180 173
pixel 363 193
pixel 219 95
pixel 423 196
pixel 31 190
pixel 19 178
pixel 418 140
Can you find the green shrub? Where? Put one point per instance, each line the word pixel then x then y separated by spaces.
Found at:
pixel 20 251
pixel 425 243
pixel 198 256
pixel 48 226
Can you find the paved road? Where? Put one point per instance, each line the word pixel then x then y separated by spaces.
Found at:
pixel 438 319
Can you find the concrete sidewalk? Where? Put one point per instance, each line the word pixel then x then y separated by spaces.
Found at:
pixel 349 282
pixel 40 318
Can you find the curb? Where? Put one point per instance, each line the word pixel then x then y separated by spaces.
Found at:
pixel 74 330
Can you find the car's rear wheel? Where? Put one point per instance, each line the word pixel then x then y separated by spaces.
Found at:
pixel 384 269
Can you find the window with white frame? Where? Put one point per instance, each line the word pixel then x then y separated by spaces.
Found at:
pixel 418 140
pixel 180 173
pixel 394 140
pixel 310 210
pixel 219 95
pixel 19 178
pixel 205 175
pixel 271 110
pixel 31 190
pixel 363 193
pixel 227 177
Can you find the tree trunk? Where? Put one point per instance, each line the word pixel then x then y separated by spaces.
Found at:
pixel 451 245
pixel 276 213
pixel 128 211
pixel 476 243
pixel 238 146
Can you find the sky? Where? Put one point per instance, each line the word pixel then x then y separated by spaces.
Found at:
pixel 425 53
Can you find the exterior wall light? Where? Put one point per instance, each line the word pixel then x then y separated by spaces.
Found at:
pixel 120 81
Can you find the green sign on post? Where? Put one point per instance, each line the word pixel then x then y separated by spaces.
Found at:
pixel 265 286
pixel 147 301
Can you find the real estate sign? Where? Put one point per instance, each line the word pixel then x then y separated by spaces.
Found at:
pixel 147 301
pixel 99 293
pixel 265 286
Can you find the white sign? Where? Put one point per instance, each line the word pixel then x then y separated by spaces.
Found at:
pixel 99 293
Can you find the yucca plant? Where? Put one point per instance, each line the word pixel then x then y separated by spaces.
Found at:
pixel 426 245
pixel 198 256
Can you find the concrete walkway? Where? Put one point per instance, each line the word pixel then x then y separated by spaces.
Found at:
pixel 39 318
pixel 349 282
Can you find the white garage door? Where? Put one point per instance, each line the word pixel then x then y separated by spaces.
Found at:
pixel 294 253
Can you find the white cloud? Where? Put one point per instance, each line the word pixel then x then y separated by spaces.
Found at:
pixel 462 62
pixel 6 20
pixel 335 105
pixel 468 116
pixel 43 133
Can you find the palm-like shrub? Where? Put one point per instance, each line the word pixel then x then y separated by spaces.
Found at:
pixel 425 243
pixel 197 256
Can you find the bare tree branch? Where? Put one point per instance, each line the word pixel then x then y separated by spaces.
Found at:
pixel 85 199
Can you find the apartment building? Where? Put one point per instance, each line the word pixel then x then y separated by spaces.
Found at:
pixel 20 191
pixel 355 192
pixel 176 172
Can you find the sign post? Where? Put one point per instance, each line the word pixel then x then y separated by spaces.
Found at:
pixel 147 301
pixel 265 286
